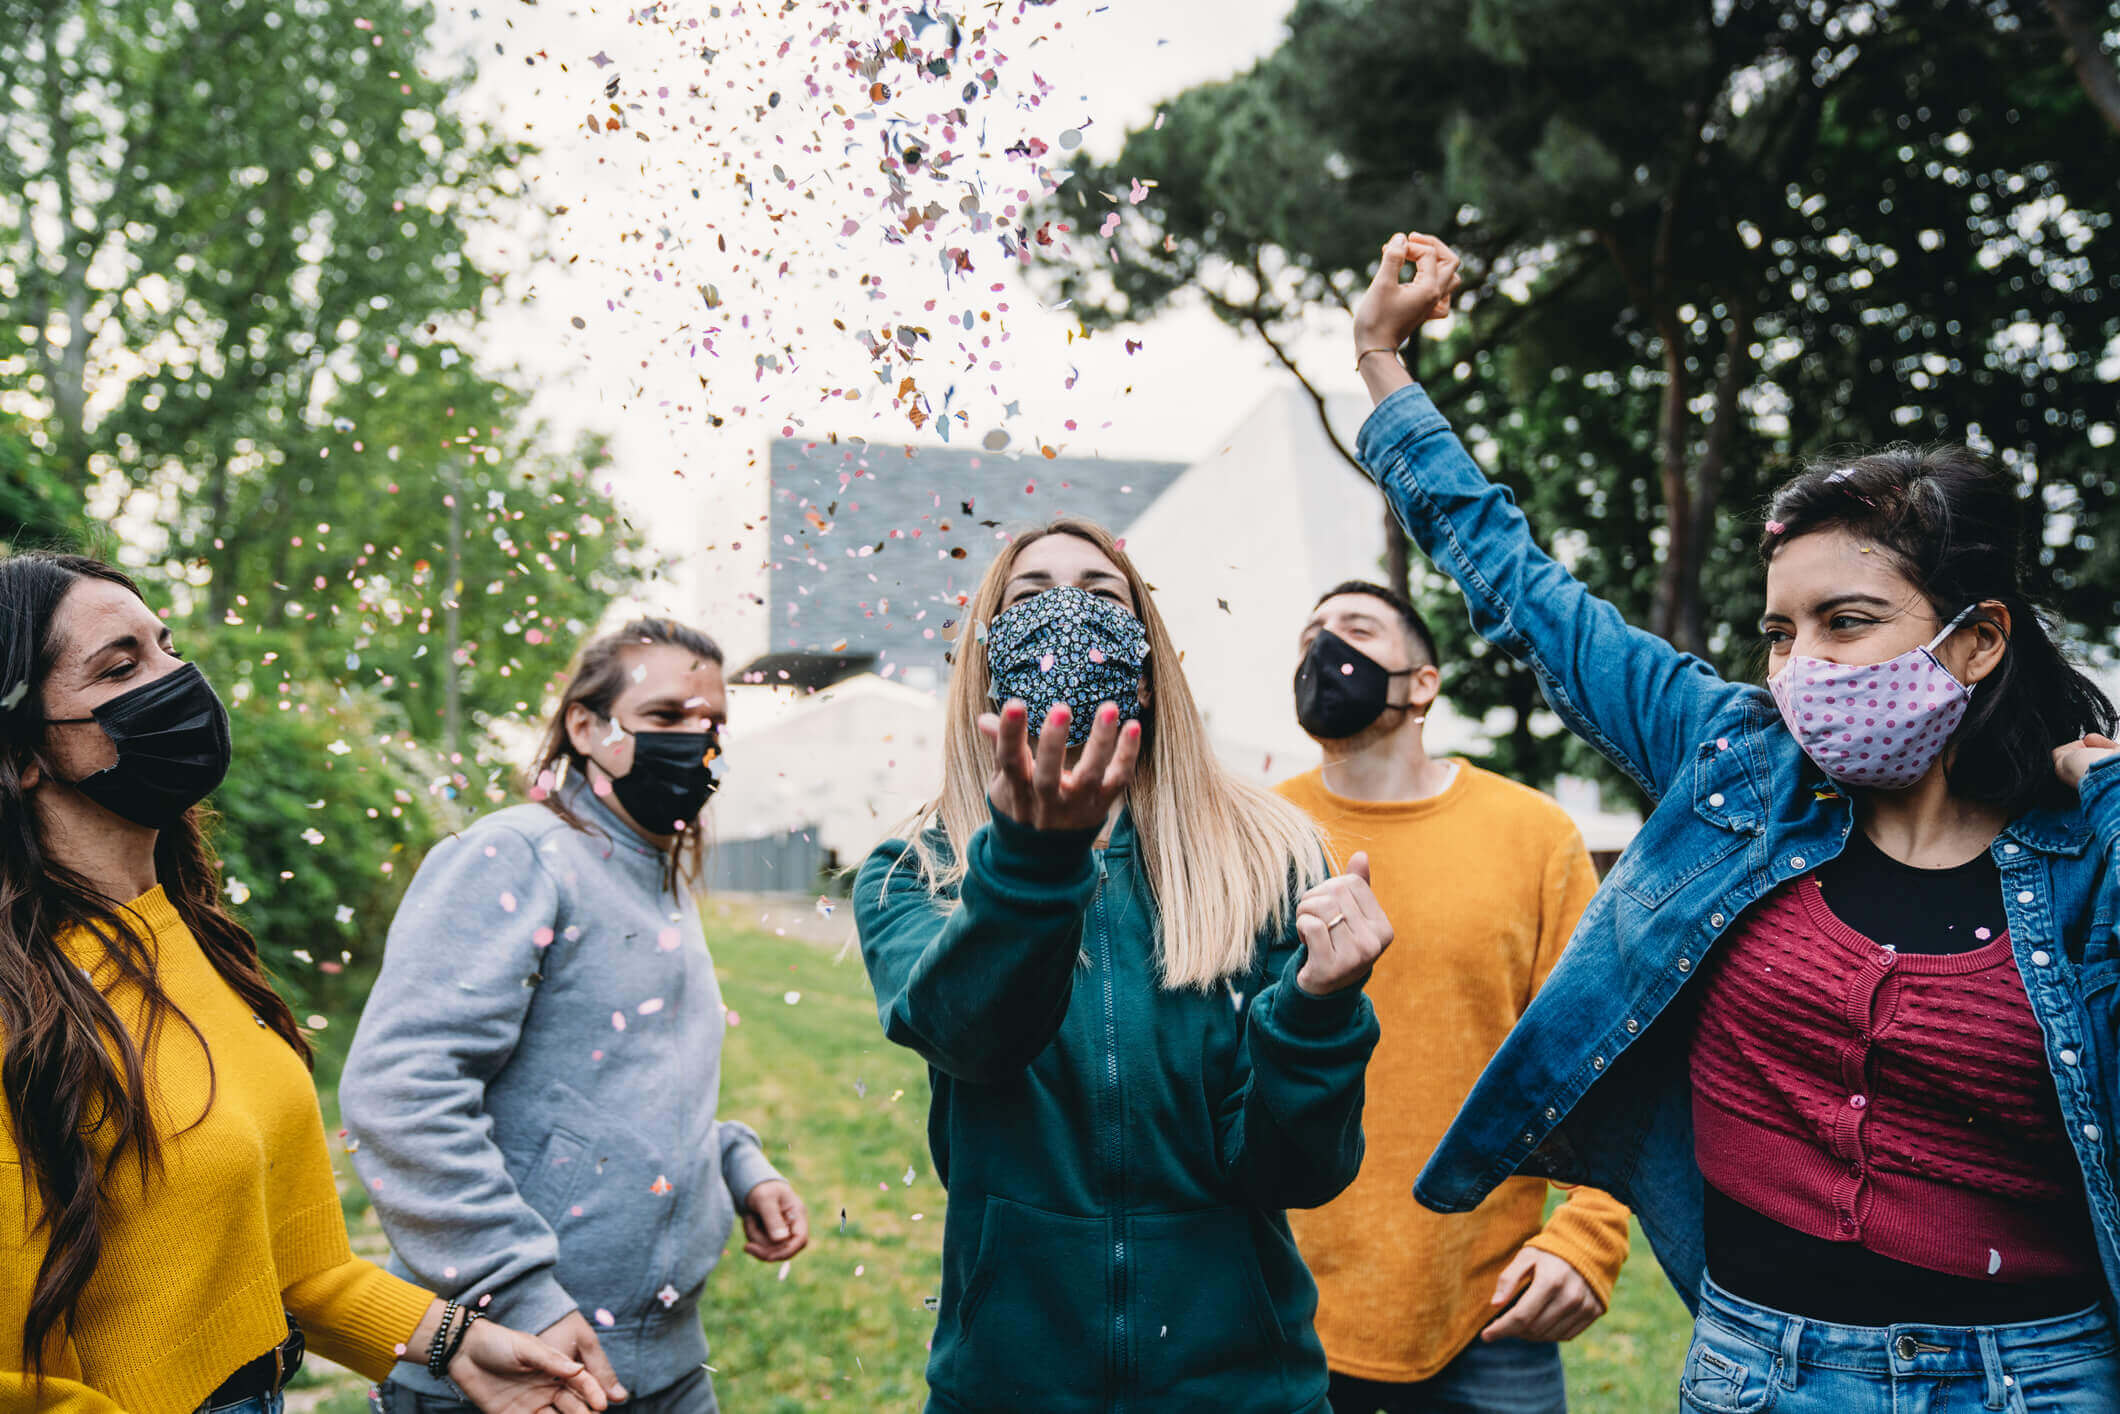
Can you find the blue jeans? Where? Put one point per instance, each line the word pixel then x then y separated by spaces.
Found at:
pixel 1507 1377
pixel 1748 1358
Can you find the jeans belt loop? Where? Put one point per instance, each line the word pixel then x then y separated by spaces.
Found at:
pixel 1791 1347
pixel 1997 1394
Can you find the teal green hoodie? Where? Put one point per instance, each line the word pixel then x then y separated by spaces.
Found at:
pixel 1117 1155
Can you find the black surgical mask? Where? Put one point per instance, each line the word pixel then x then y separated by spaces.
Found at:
pixel 670 780
pixel 1340 689
pixel 173 748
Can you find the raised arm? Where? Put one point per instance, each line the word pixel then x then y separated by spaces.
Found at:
pixel 979 989
pixel 1630 694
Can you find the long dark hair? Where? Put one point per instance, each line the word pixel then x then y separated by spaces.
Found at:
pixel 70 1067
pixel 1956 529
pixel 596 680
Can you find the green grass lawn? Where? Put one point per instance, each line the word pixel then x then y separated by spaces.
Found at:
pixel 844 1115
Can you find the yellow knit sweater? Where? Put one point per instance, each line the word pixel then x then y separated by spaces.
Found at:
pixel 241 1222
pixel 1483 885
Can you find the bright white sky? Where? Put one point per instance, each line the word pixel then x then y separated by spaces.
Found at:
pixel 634 364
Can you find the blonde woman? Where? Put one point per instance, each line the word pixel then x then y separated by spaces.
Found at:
pixel 1139 996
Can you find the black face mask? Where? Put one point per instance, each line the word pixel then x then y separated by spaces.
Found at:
pixel 670 780
pixel 1340 689
pixel 173 748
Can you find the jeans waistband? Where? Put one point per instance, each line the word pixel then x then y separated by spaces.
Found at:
pixel 1911 1349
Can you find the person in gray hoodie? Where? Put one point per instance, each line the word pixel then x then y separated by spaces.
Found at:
pixel 531 1095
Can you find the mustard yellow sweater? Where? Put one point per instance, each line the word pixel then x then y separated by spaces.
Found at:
pixel 1483 884
pixel 241 1223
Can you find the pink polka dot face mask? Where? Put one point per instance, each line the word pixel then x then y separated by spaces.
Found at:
pixel 1873 724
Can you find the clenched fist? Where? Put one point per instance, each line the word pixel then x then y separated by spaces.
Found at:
pixel 1345 929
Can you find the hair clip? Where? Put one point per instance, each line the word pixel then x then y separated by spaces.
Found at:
pixel 1775 527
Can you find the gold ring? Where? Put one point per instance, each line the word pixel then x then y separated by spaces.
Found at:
pixel 1335 921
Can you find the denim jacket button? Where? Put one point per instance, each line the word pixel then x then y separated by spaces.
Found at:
pixel 1597 1062
pixel 1716 800
pixel 2024 895
pixel 1685 964
pixel 1796 861
pixel 1715 920
pixel 1529 1137
pixel 2011 849
pixel 2068 1057
pixel 2090 1132
pixel 1552 1114
pixel 2041 958
pixel 1634 1026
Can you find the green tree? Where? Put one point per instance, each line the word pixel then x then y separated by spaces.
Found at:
pixel 209 216
pixel 36 506
pixel 353 580
pixel 1701 241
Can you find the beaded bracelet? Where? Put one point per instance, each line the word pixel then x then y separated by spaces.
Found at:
pixel 472 1316
pixel 436 1363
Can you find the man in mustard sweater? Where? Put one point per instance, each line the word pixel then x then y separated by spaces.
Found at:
pixel 1485 878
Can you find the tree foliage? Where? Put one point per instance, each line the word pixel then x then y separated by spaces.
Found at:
pixel 351 582
pixel 328 810
pixel 211 216
pixel 234 290
pixel 1702 243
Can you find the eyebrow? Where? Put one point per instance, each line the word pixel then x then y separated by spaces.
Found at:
pixel 1827 606
pixel 1045 577
pixel 124 643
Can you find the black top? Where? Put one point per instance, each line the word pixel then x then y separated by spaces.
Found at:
pixel 1752 1256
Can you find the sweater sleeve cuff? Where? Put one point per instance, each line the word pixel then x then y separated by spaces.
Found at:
pixel 744 1165
pixel 1305 1015
pixel 529 1303
pixel 358 1314
pixel 1598 1268
pixel 1044 856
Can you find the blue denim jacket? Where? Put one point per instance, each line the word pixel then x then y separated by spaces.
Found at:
pixel 1589 1088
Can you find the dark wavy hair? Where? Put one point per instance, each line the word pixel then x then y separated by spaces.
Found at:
pixel 70 1067
pixel 1956 529
pixel 597 680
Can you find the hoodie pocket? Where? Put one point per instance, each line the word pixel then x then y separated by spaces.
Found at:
pixel 554 1175
pixel 1204 1327
pixel 1033 1324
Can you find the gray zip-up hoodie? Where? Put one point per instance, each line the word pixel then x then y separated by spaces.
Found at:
pixel 530 1096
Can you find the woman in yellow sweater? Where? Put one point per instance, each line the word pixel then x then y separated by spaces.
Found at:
pixel 167 1213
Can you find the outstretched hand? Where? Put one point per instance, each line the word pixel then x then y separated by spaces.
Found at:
pixel 1345 929
pixel 1391 310
pixel 1037 787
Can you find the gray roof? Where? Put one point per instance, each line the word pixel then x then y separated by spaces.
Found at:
pixel 905 507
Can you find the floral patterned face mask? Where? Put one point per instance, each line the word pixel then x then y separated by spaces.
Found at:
pixel 1067 645
pixel 1874 724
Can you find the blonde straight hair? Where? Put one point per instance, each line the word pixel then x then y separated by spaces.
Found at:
pixel 1221 854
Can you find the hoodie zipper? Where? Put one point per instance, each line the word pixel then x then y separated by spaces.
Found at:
pixel 1114 1134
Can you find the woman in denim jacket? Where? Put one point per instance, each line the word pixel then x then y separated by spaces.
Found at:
pixel 1840 1026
